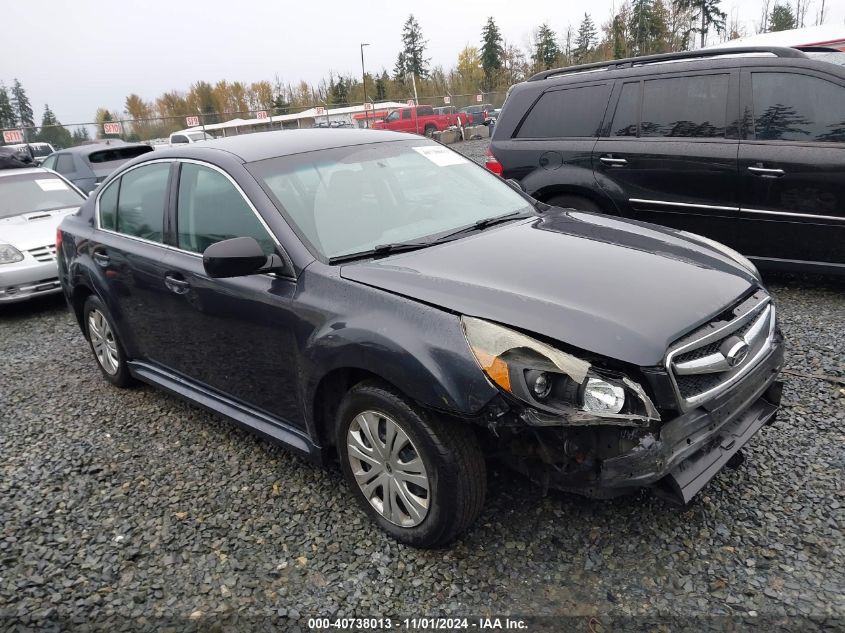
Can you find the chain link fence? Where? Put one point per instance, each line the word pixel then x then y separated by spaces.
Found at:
pixel 156 130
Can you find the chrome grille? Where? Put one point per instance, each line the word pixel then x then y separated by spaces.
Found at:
pixel 44 253
pixel 707 361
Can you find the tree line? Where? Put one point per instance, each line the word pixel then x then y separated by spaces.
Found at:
pixel 638 27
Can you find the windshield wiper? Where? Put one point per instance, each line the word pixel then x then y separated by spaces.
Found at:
pixel 401 247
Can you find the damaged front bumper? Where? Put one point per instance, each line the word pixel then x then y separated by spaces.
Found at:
pixel 678 458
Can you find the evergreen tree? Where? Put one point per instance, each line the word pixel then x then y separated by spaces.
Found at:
pixel 52 131
pixel 401 67
pixel 7 114
pixel 103 116
pixel 80 135
pixel 782 18
pixel 414 48
pixel 491 53
pixel 706 14
pixel 22 108
pixel 280 106
pixel 647 28
pixel 381 86
pixel 619 44
pixel 338 90
pixel 546 50
pixel 585 41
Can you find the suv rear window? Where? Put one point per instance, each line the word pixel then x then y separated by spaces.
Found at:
pixel 566 113
pixel 117 153
pixel 688 107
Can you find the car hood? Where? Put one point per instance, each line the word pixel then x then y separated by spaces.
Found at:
pixel 617 288
pixel 32 230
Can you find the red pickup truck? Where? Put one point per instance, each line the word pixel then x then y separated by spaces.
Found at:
pixel 417 119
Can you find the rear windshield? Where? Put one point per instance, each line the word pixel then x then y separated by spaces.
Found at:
pixel 117 153
pixel 41 191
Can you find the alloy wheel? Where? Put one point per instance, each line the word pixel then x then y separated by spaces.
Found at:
pixel 103 342
pixel 388 468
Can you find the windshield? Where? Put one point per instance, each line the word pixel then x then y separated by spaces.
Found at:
pixel 25 193
pixel 352 199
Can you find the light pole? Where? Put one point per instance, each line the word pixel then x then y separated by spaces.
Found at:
pixel 364 82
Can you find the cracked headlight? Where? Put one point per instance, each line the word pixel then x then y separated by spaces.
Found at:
pixel 553 382
pixel 9 254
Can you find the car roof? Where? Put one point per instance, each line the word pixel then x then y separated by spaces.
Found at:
pixel 264 145
pixel 24 170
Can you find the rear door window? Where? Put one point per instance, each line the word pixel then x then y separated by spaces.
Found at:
pixel 794 107
pixel 627 111
pixel 573 112
pixel 686 107
pixel 140 206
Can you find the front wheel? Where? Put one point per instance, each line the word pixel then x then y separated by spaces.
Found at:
pixel 430 130
pixel 421 479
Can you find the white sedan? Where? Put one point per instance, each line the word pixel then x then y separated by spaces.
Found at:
pixel 32 203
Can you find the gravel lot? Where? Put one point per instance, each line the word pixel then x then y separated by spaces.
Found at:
pixel 134 506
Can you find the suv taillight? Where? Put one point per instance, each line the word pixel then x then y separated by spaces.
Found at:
pixel 491 163
pixel 58 241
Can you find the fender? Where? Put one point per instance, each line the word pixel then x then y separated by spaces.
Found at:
pixel 419 349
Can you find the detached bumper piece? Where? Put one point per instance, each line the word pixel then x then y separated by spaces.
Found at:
pixel 691 475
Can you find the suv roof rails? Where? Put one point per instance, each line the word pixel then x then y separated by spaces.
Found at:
pixel 629 62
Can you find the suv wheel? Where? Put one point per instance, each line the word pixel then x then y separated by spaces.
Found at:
pixel 421 479
pixel 574 202
pixel 99 328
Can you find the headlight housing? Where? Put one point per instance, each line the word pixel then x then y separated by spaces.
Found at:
pixel 554 383
pixel 9 254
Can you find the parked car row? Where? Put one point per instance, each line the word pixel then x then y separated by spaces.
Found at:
pixel 379 297
pixel 744 146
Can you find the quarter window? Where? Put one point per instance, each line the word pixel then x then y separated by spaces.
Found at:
pixel 140 207
pixel 687 107
pixel 576 112
pixel 211 209
pixel 793 107
pixel 64 164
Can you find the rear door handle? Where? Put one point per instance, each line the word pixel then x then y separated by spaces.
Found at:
pixel 766 172
pixel 177 283
pixel 613 162
pixel 101 258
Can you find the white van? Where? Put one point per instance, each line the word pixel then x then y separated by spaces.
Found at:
pixel 189 136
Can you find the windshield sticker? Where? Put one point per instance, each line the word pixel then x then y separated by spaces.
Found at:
pixel 441 156
pixel 52 184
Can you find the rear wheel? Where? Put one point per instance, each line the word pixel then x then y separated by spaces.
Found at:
pixel 420 478
pixel 107 349
pixel 574 202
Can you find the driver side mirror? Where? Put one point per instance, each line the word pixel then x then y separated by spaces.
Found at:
pixel 238 257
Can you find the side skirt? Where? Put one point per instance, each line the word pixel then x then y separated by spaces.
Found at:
pixel 267 426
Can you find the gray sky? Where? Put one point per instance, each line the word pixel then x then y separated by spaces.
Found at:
pixel 81 54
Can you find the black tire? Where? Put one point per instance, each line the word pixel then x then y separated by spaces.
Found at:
pixel 430 130
pixel 574 202
pixel 119 376
pixel 449 451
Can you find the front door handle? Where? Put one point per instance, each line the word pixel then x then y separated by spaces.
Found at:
pixel 101 258
pixel 766 172
pixel 177 283
pixel 613 162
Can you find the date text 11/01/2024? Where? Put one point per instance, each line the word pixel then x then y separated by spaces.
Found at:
pixel 422 624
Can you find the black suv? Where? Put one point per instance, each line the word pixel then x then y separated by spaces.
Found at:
pixel 745 146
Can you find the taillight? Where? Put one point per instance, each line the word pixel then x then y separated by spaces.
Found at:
pixel 491 163
pixel 58 240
